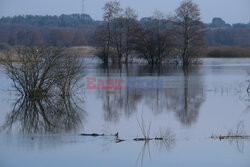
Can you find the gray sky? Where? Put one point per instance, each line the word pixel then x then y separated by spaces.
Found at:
pixel 232 11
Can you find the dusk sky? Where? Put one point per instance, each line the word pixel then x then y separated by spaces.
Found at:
pixel 232 11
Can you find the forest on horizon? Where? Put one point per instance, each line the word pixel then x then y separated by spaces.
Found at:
pixel 79 29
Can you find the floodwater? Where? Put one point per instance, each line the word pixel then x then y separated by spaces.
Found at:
pixel 209 100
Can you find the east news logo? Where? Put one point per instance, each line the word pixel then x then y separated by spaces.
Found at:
pixel 119 83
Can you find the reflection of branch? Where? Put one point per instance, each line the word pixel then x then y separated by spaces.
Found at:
pixel 236 136
pixel 248 89
pixel 238 143
pixel 142 153
pixel 238 133
pixel 167 140
pixel 48 115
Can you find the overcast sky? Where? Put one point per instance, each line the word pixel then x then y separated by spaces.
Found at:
pixel 232 11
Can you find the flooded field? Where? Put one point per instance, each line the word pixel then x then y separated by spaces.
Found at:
pixel 211 99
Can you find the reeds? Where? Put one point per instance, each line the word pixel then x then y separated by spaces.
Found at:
pixel 145 131
pixel 238 133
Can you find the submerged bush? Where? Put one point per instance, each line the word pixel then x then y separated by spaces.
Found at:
pixel 45 79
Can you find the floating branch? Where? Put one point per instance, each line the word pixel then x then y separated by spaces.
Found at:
pixel 92 134
pixel 230 137
pixel 142 139
pixel 102 134
pixel 167 136
pixel 238 133
pixel 119 140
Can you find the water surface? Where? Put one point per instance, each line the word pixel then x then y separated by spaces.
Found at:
pixel 209 100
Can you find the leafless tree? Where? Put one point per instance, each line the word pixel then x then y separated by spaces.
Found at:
pixel 124 27
pixel 118 39
pixel 111 11
pixel 45 79
pixel 115 36
pixel 153 39
pixel 189 30
pixel 131 25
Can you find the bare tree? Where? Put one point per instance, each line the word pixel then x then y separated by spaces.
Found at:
pixel 111 11
pixel 46 79
pixel 130 26
pixel 152 39
pixel 115 36
pixel 189 30
pixel 162 36
pixel 118 38
pixel 123 29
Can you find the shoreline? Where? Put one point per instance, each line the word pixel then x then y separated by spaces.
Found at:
pixel 209 52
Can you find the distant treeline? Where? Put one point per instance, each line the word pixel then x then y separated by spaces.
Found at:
pixel 228 51
pixel 73 20
pixel 219 23
pixel 54 36
pixel 79 29
pixel 76 20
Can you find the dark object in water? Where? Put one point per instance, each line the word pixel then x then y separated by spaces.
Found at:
pixel 93 134
pixel 230 137
pixel 142 139
pixel 234 137
pixel 119 140
pixel 248 89
pixel 117 134
pixel 96 134
pixel 159 138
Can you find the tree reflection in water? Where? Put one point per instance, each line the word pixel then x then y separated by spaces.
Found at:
pixel 182 93
pixel 48 115
pixel 186 100
pixel 166 144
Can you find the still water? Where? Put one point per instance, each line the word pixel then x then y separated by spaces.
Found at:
pixel 211 99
